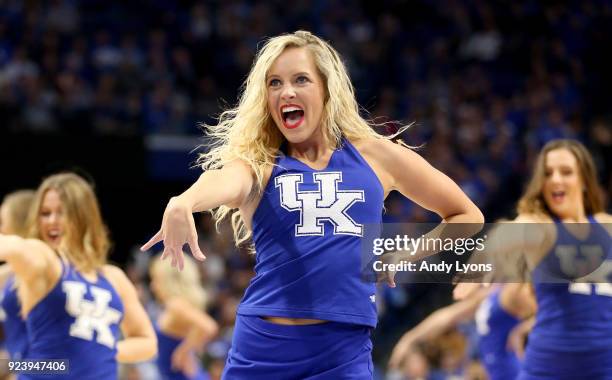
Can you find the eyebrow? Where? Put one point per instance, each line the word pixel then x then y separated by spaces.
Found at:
pixel 294 75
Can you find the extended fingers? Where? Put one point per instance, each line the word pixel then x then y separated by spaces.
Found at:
pixel 154 240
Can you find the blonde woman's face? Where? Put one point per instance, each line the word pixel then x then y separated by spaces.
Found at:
pixel 295 95
pixel 563 187
pixel 51 219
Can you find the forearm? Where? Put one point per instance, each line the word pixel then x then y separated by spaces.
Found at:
pixel 214 188
pixel 442 319
pixel 136 349
pixel 195 339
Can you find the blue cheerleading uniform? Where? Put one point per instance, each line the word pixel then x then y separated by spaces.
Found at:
pixel 572 336
pixel 77 320
pixel 166 345
pixel 307 231
pixel 494 325
pixel 15 333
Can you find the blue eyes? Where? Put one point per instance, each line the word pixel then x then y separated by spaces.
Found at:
pixel 299 80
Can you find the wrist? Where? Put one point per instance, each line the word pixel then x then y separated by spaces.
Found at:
pixel 179 204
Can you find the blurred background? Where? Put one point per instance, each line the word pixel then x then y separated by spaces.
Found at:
pixel 116 91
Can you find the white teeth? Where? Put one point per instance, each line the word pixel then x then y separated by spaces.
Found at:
pixel 291 109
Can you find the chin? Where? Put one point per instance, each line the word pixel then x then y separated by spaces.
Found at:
pixel 293 136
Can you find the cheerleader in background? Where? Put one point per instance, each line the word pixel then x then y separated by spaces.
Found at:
pixel 496 310
pixel 73 302
pixel 13 220
pixel 183 328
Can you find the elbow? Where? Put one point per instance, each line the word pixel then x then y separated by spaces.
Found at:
pixel 209 331
pixel 473 215
pixel 477 216
pixel 469 213
pixel 213 330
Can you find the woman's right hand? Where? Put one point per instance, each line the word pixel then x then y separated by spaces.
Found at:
pixel 177 229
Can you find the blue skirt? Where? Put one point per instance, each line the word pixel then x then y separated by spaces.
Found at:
pixel 266 350
pixel 550 363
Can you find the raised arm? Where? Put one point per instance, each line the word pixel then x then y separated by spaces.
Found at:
pixel 229 186
pixel 27 258
pixel 436 324
pixel 139 342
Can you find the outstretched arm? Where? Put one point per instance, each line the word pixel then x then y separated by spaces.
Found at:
pixel 436 324
pixel 27 258
pixel 229 186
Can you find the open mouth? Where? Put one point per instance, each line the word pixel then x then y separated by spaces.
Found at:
pixel 54 236
pixel 558 196
pixel 292 116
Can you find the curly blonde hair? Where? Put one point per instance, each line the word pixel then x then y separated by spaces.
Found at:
pixel 248 133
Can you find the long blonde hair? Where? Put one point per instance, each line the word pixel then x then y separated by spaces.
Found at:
pixel 18 205
pixel 248 133
pixel 185 283
pixel 532 201
pixel 85 242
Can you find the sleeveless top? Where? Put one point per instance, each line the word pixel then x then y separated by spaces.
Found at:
pixel 575 316
pixel 77 320
pixel 15 334
pixel 494 324
pixel 307 231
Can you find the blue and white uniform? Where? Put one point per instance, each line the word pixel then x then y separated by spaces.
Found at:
pixel 15 334
pixel 166 345
pixel 572 336
pixel 307 232
pixel 494 324
pixel 77 320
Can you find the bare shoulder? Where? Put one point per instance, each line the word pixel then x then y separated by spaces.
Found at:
pixel 384 157
pixel 117 277
pixel 40 255
pixel 383 149
pixel 38 246
pixel 605 220
pixel 603 217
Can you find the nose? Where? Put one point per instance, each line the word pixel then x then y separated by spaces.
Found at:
pixel 53 218
pixel 288 92
pixel 556 176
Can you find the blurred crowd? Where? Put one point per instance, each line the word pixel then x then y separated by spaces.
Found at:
pixel 486 85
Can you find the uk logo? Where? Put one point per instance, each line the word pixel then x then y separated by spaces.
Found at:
pixel 326 204
pixel 91 316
